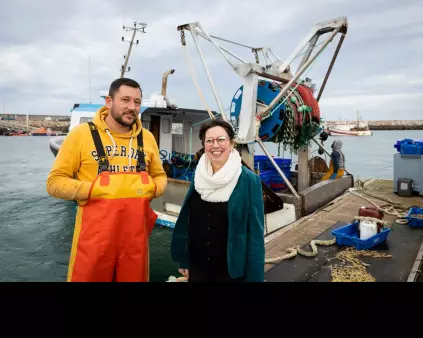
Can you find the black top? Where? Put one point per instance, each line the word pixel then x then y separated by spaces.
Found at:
pixel 208 232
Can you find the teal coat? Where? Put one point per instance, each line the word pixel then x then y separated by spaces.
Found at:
pixel 246 230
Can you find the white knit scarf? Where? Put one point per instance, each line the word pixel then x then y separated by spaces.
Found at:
pixel 217 187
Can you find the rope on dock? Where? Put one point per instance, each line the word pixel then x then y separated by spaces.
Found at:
pixel 292 252
pixel 392 208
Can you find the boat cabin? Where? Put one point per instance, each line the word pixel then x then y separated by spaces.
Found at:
pixel 176 132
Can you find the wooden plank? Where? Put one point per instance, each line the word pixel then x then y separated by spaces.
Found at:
pixel 417 266
pixel 303 169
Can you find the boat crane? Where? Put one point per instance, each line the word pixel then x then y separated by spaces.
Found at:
pixel 273 105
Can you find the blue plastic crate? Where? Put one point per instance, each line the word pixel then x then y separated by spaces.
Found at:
pixel 414 221
pixel 261 162
pixel 412 148
pixel 266 164
pixel 283 163
pixel 348 235
pixel 409 146
pixel 399 143
pixel 276 178
pixel 266 175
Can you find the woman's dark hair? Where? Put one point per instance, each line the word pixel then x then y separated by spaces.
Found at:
pixel 216 123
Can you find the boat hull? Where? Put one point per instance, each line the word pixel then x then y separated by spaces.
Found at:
pixel 334 132
pixel 55 144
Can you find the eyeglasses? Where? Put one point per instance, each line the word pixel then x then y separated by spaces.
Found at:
pixel 221 140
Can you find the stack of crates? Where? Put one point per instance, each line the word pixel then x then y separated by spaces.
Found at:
pixel 414 217
pixel 408 164
pixel 409 147
pixel 269 174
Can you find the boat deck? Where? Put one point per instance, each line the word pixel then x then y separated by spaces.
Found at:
pixel 404 243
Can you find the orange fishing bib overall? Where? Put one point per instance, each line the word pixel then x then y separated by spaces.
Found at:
pixel 112 229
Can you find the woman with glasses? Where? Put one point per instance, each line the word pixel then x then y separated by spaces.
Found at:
pixel 219 234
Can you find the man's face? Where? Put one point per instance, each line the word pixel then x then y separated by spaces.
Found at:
pixel 125 105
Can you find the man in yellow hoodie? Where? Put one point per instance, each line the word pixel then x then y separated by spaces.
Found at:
pixel 111 167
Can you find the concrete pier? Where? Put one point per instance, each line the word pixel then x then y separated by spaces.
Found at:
pixel 404 242
pixel 389 124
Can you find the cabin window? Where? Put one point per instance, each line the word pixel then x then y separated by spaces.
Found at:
pixel 177 128
pixel 165 126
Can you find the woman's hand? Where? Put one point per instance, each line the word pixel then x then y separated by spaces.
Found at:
pixel 184 272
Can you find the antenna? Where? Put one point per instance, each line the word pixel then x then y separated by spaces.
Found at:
pixel 140 28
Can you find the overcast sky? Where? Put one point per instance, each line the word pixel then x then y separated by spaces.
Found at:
pixel 45 46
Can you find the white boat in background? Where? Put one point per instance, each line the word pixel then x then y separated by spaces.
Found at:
pixel 347 129
pixel 80 113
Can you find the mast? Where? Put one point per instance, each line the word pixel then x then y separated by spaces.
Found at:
pixel 358 119
pixel 131 43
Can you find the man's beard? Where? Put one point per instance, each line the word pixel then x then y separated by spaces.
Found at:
pixel 119 119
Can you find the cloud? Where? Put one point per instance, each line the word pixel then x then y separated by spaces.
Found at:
pixel 45 48
pixel 373 106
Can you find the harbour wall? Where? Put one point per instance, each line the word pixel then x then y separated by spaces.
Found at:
pixel 390 124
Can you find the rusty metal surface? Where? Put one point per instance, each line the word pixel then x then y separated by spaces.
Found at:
pixel 164 80
pixel 273 77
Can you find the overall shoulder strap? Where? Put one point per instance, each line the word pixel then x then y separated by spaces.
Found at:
pixel 103 162
pixel 141 155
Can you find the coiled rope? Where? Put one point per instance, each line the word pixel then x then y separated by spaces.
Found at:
pixel 392 208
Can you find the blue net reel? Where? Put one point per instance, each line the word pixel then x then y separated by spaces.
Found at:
pixel 266 92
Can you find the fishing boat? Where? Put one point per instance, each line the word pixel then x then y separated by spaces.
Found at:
pixel 43 132
pixel 80 113
pixel 18 133
pixel 272 106
pixel 175 130
pixel 347 129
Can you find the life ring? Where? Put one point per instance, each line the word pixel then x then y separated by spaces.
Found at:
pixel 163 154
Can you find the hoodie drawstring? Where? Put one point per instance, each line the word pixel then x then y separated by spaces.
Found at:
pixel 114 148
pixel 129 155
pixel 113 142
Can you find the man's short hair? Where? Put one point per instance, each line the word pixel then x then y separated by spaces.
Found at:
pixel 114 87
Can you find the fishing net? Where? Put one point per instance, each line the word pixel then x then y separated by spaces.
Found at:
pixel 351 268
pixel 299 126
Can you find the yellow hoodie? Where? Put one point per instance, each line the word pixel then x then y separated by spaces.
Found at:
pixel 76 166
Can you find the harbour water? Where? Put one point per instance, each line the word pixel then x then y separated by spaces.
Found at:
pixel 36 229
